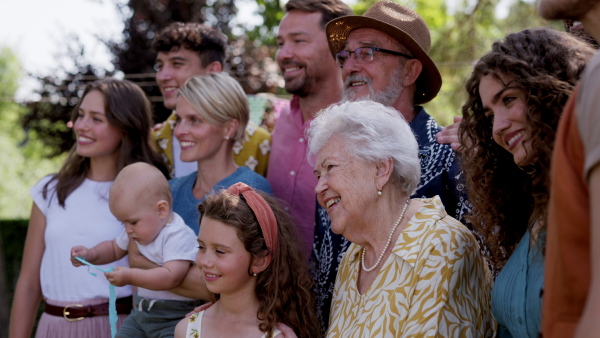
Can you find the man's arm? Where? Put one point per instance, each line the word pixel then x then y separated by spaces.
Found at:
pixel 589 326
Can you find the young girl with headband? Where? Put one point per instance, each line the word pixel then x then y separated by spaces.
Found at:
pixel 249 258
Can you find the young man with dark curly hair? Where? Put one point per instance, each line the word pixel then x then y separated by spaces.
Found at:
pixel 185 50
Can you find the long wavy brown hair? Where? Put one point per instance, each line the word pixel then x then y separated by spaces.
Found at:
pixel 128 110
pixel 545 65
pixel 284 287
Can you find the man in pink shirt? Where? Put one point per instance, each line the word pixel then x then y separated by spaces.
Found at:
pixel 312 76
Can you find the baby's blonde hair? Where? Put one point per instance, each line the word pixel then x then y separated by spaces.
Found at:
pixel 143 183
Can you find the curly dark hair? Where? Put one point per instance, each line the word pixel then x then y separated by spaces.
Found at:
pixel 545 65
pixel 285 286
pixel 207 42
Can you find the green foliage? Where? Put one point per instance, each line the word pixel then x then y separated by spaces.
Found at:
pixel 9 74
pixel 458 40
pixel 12 239
pixel 22 164
pixel 461 38
pixel 271 12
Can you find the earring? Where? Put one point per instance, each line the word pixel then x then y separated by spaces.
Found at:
pixel 253 275
pixel 226 138
pixel 379 193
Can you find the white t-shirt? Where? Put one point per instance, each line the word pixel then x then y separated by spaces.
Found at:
pixel 176 241
pixel 85 220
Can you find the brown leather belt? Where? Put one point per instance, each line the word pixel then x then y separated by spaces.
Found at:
pixel 75 312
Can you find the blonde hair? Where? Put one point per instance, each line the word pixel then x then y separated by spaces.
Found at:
pixel 218 98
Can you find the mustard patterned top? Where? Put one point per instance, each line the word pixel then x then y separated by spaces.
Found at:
pixel 435 283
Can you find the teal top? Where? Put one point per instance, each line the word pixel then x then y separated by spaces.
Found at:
pixel 185 203
pixel 517 292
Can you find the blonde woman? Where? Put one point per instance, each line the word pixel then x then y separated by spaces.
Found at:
pixel 212 113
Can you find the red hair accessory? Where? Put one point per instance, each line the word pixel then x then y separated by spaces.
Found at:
pixel 263 212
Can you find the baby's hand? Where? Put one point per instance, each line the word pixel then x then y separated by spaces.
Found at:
pixel 120 276
pixel 79 251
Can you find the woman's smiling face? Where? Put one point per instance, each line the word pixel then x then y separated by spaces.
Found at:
pixel 506 106
pixel 346 185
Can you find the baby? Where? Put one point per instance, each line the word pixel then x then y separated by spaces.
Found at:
pixel 140 198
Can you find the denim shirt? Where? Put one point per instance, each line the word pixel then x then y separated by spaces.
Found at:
pixel 186 204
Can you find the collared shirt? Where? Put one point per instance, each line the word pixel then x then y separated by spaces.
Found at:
pixel 434 283
pixel 290 174
pixel 440 172
pixel 440 176
pixel 517 293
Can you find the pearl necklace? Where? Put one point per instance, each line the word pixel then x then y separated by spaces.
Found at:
pixel 386 244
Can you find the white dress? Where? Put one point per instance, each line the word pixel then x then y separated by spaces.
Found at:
pixel 194 327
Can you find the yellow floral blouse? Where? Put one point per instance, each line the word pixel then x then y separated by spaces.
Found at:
pixel 435 283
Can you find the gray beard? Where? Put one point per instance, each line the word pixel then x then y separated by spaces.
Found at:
pixel 386 97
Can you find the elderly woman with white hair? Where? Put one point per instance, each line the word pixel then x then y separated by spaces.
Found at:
pixel 411 269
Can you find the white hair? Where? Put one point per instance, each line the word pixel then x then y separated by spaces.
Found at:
pixel 372 132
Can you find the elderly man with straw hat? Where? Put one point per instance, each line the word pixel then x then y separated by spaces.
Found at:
pixel 384 57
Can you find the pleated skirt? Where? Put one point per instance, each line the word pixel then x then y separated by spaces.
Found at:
pixel 51 326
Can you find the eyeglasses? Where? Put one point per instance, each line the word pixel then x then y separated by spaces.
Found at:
pixel 364 54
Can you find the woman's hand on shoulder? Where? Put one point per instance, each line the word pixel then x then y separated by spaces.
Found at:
pixel 286 331
pixel 449 134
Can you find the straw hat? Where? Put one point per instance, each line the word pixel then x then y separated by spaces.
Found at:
pixel 401 23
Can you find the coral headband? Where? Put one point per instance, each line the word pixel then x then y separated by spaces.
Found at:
pixel 263 212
